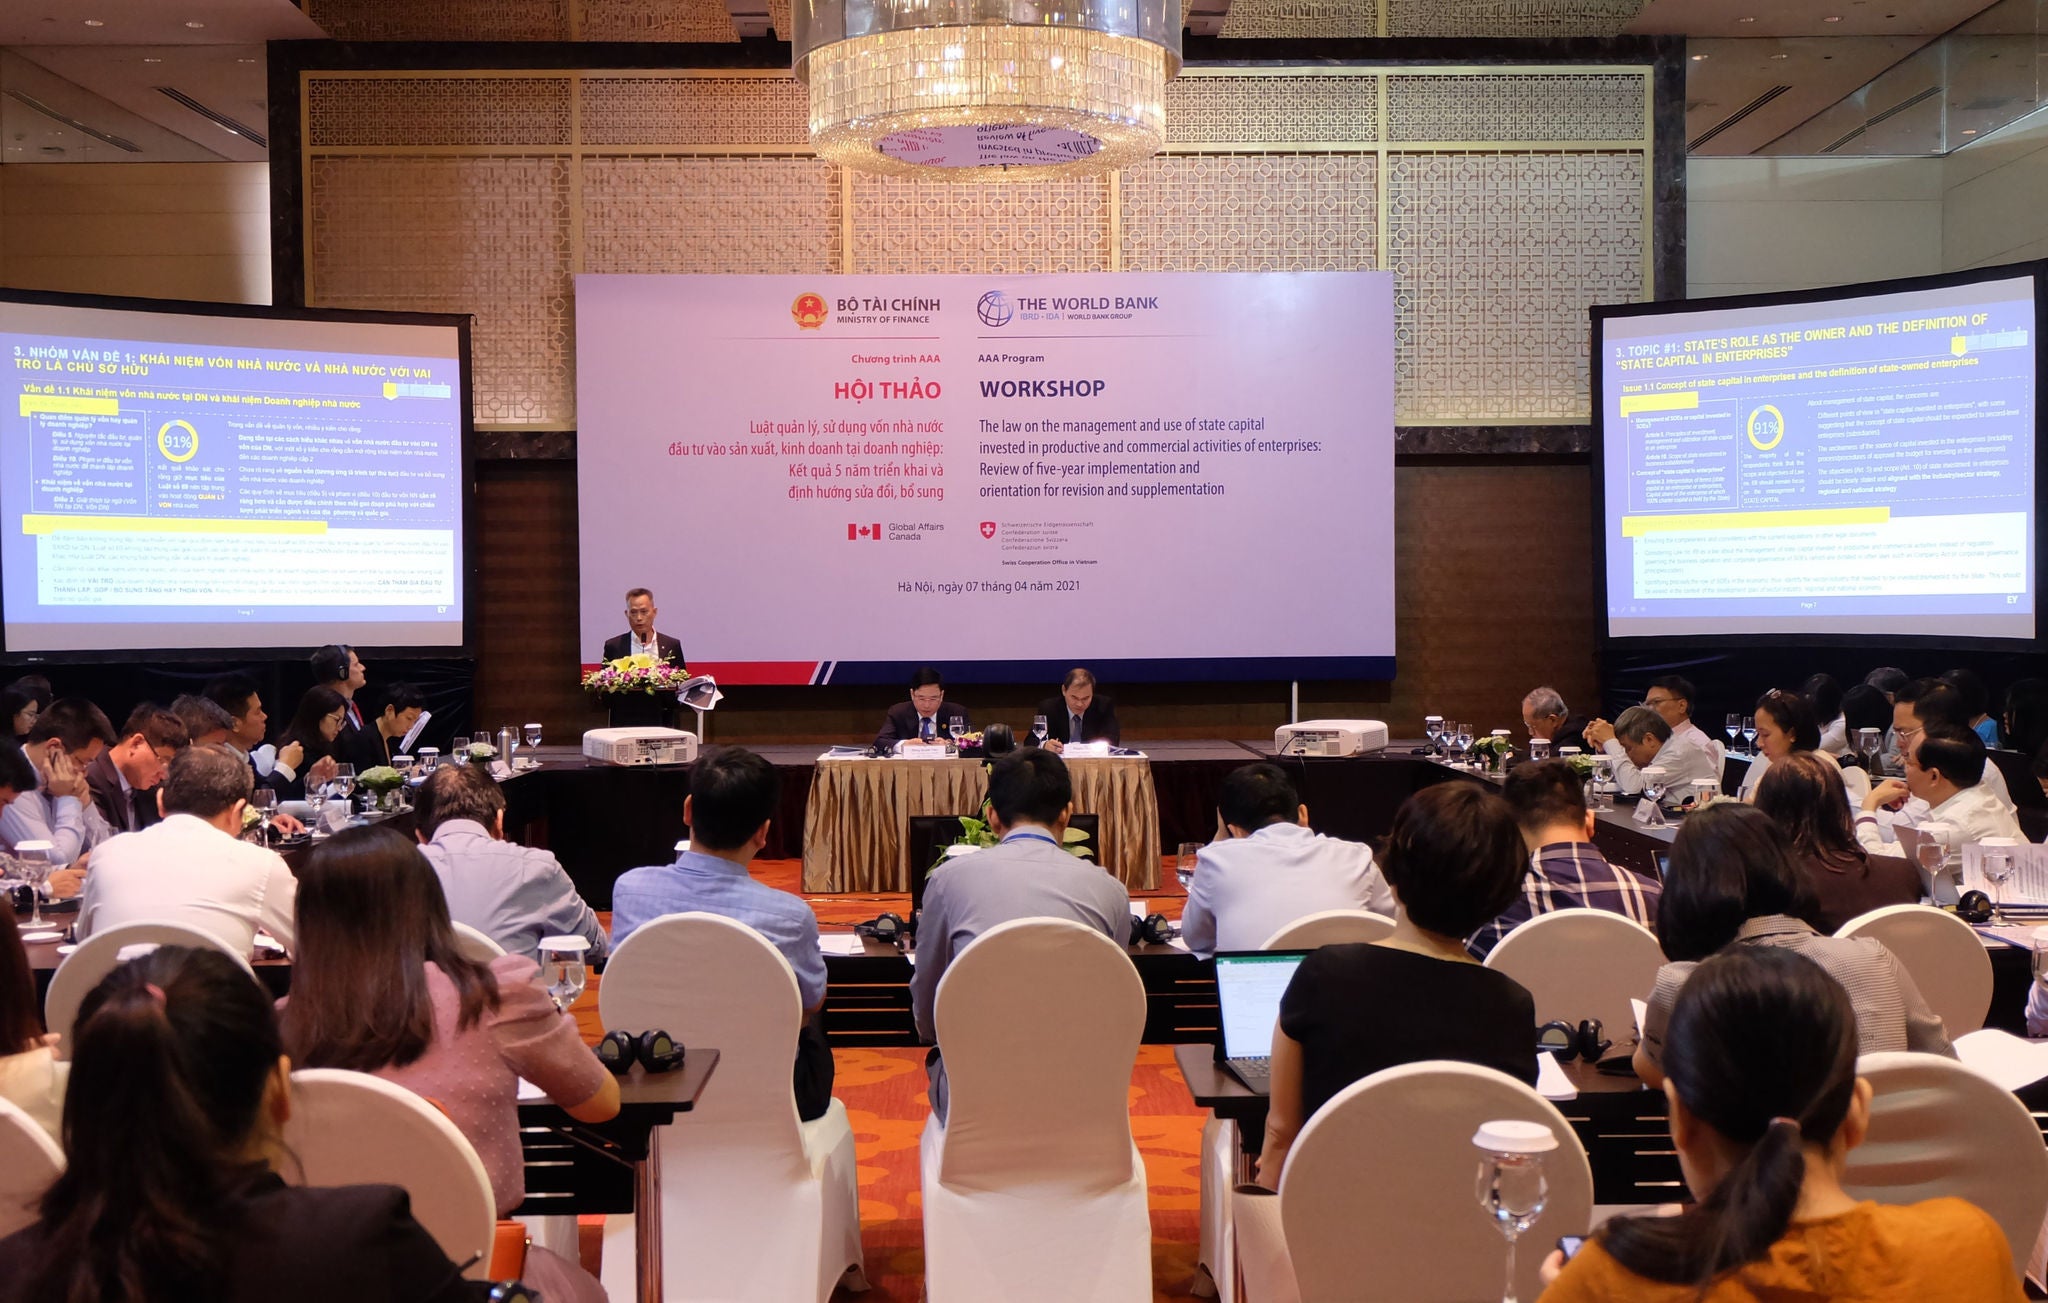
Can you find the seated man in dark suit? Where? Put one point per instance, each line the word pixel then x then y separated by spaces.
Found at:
pixel 1080 713
pixel 1545 715
pixel 125 777
pixel 923 718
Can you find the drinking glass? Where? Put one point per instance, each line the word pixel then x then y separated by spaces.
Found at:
pixel 33 863
pixel 562 969
pixel 1184 863
pixel 1539 748
pixel 459 751
pixel 1931 855
pixel 1997 866
pixel 264 802
pixel 343 785
pixel 1464 742
pixel 316 796
pixel 1433 728
pixel 2040 953
pixel 1749 733
pixel 1038 728
pixel 957 730
pixel 1603 782
pixel 532 744
pixel 1734 728
pixel 430 759
pixel 1511 1187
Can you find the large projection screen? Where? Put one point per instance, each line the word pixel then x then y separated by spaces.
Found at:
pixel 1825 467
pixel 838 479
pixel 195 477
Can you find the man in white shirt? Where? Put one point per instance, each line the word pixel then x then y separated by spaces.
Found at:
pixel 1671 698
pixel 66 739
pixel 1271 870
pixel 1639 743
pixel 193 868
pixel 1923 704
pixel 1945 769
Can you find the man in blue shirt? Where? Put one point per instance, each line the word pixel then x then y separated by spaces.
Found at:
pixel 732 797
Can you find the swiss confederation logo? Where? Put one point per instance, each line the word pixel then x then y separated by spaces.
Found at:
pixel 872 532
pixel 988 529
pixel 810 311
pixel 994 310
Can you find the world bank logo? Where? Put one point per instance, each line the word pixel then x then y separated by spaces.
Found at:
pixel 993 309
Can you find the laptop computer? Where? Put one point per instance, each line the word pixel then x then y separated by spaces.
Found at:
pixel 1249 984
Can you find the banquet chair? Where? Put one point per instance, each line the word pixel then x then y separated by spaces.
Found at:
pixel 1330 927
pixel 755 1205
pixel 1582 963
pixel 1221 1142
pixel 476 944
pixel 350 1128
pixel 1941 953
pixel 100 953
pixel 29 1161
pixel 1937 1128
pixel 1033 1186
pixel 1379 1185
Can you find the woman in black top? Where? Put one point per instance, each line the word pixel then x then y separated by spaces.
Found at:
pixel 1454 860
pixel 314 727
pixel 1803 794
pixel 177 1095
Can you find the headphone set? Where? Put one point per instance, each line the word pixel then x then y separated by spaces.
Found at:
pixel 656 1051
pixel 1973 907
pixel 1154 930
pixel 1568 1043
pixel 889 929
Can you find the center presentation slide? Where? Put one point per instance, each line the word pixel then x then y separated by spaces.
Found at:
pixel 1861 464
pixel 841 478
pixel 180 481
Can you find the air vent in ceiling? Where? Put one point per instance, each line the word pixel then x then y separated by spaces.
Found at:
pixel 1735 117
pixel 214 116
pixel 1876 118
pixel 73 123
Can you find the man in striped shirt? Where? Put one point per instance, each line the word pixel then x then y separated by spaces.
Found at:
pixel 1566 871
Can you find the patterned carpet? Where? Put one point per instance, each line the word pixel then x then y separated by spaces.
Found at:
pixel 884 1093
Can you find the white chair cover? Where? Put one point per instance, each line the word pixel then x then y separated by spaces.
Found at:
pixel 1330 927
pixel 1937 1128
pixel 476 944
pixel 1941 953
pixel 1582 963
pixel 754 1204
pixel 1033 1187
pixel 100 953
pixel 1379 1188
pixel 29 1161
pixel 349 1128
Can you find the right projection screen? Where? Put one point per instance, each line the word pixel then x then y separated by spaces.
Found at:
pixel 1849 462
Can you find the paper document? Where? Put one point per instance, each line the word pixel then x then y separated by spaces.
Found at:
pixel 2001 1057
pixel 1642 1013
pixel 1551 1083
pixel 412 734
pixel 841 943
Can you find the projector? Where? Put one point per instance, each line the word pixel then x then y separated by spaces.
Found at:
pixel 641 746
pixel 1330 737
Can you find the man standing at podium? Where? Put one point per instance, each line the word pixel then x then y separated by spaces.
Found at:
pixel 639 709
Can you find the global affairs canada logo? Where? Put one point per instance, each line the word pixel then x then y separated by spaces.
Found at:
pixel 994 309
pixel 872 532
pixel 810 311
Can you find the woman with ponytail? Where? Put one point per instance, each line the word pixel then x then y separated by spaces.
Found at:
pixel 1765 1107
pixel 177 1097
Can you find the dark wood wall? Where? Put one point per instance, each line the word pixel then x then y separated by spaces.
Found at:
pixel 1493 582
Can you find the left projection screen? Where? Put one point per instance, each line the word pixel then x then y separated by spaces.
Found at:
pixel 199 479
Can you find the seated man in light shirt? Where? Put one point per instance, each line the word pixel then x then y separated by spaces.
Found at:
pixel 1671 697
pixel 63 743
pixel 1271 870
pixel 1639 743
pixel 515 895
pixel 1945 768
pixel 733 794
pixel 1921 705
pixel 193 867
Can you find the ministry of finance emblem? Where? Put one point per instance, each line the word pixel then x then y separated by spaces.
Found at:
pixel 810 311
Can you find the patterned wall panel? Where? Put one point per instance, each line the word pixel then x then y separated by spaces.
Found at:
pixel 1510 17
pixel 767 215
pixel 937 226
pixel 1205 109
pixel 1248 19
pixel 1284 212
pixel 488 236
pixel 1496 258
pixel 351 112
pixel 442 20
pixel 708 111
pixel 1568 106
pixel 656 20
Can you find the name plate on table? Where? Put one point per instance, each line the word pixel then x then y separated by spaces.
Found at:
pixel 924 751
pixel 1649 814
pixel 1085 751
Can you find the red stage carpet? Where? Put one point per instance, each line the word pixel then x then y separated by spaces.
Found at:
pixel 883 1090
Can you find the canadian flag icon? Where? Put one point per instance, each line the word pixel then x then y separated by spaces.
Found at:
pixel 864 531
pixel 988 529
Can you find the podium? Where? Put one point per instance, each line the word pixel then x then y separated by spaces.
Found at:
pixel 641 709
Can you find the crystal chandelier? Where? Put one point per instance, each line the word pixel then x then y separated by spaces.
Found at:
pixel 968 90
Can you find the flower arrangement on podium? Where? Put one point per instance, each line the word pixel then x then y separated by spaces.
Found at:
pixel 630 674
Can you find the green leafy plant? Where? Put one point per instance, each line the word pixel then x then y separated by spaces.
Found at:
pixel 381 778
pixel 1582 765
pixel 1492 746
pixel 977 833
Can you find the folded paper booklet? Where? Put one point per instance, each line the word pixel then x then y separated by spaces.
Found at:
pixel 1551 1083
pixel 2010 1061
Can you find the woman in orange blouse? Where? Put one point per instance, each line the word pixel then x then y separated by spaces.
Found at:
pixel 1765 1107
